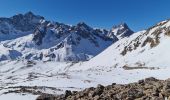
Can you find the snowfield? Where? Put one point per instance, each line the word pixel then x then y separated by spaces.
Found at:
pixel 59 75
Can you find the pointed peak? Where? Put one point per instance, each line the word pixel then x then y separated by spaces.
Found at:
pixel 122 30
pixel 23 15
pixel 82 24
pixel 123 25
pixel 29 13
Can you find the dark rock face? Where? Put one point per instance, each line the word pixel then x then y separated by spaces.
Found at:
pixel 123 30
pixel 39 35
pixel 147 89
pixel 67 93
pixel 81 30
pixel 24 23
pixel 120 31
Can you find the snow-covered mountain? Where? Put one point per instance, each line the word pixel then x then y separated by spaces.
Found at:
pixel 34 38
pixel 117 55
pixel 18 25
pixel 121 31
pixel 147 48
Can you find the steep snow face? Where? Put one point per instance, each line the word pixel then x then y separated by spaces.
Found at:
pixel 148 48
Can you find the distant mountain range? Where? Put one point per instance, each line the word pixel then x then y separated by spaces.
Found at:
pixel 32 37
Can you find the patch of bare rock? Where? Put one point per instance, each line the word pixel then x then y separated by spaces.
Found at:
pixel 146 89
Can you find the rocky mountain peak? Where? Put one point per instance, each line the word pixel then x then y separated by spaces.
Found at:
pixel 83 26
pixel 121 25
pixel 122 30
pixel 26 22
pixel 31 15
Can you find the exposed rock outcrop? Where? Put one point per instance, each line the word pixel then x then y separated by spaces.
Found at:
pixel 147 89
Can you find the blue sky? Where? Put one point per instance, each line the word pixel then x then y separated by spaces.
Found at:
pixel 138 14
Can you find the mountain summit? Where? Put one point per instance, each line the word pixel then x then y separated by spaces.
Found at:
pixel 122 30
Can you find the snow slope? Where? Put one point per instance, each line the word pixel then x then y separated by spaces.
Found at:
pixel 62 77
pixel 148 48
